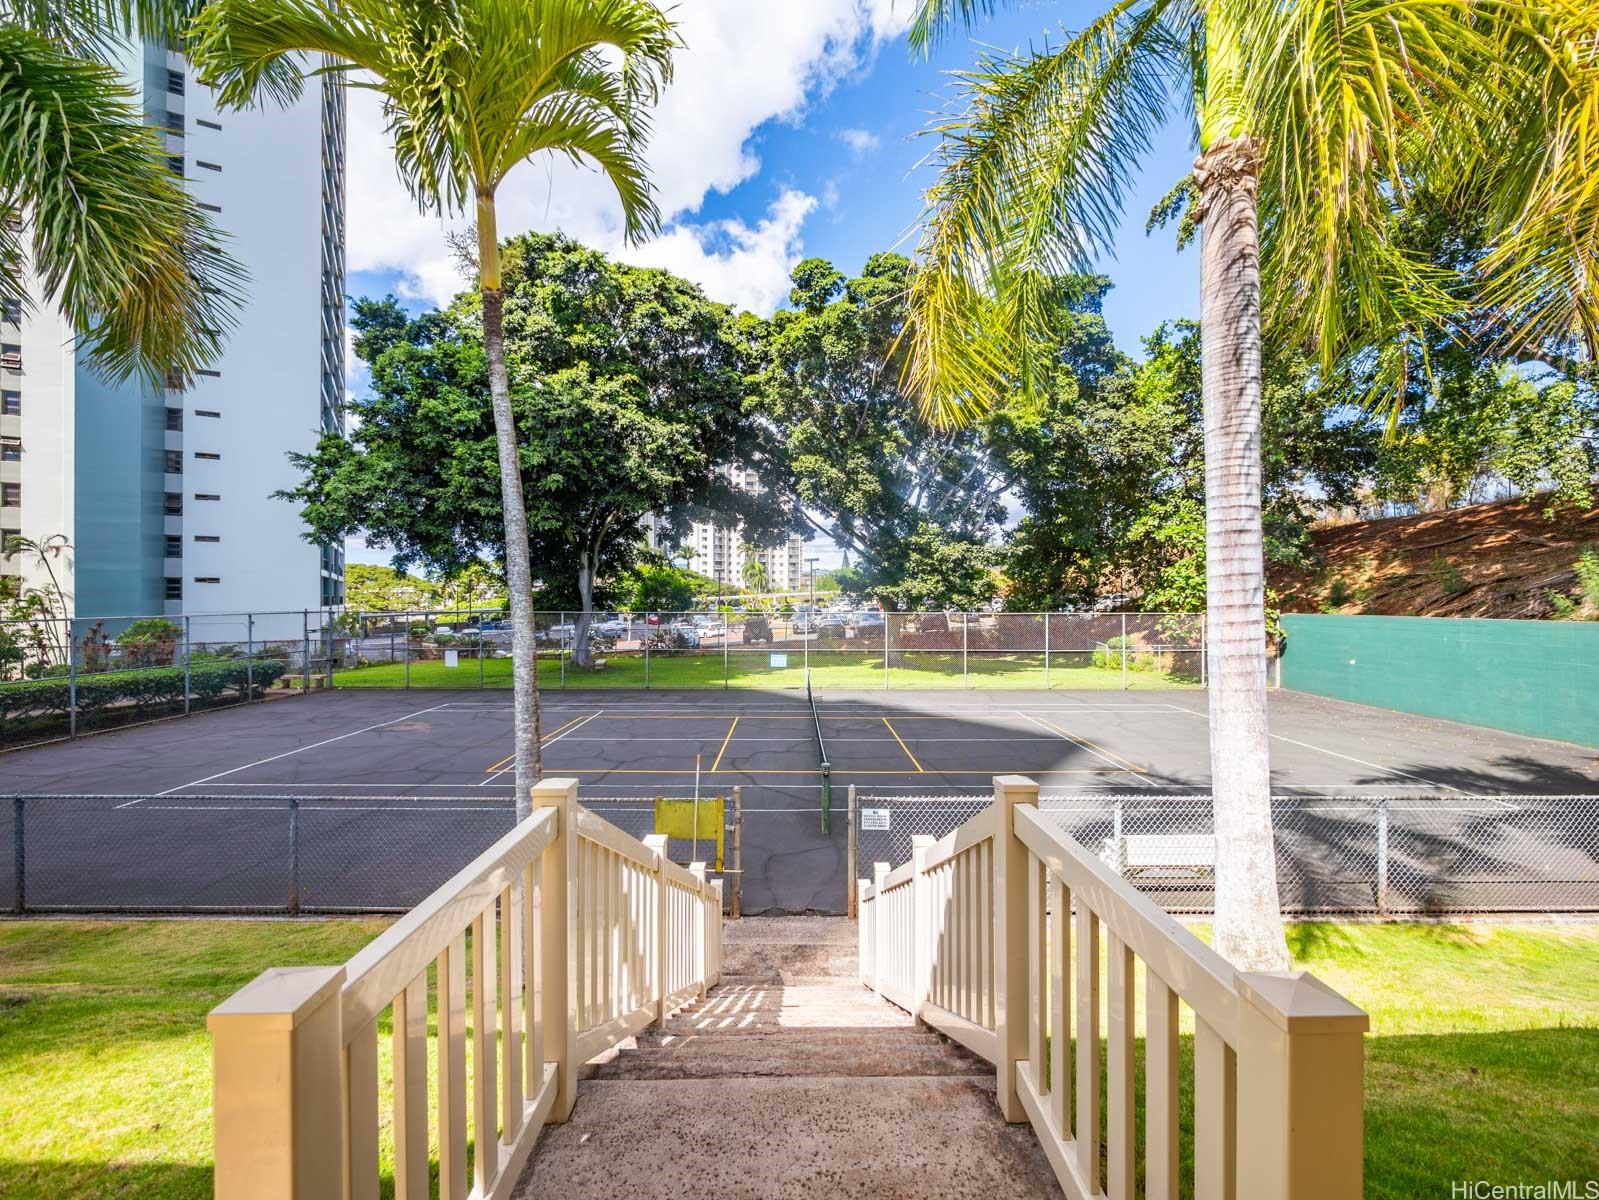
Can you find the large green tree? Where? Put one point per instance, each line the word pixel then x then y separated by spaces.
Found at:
pixel 90 212
pixel 864 470
pixel 1310 119
pixel 471 90
pixel 628 392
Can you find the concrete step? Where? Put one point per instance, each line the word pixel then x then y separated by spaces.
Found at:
pixel 763 1009
pixel 787 1139
pixel 794 1054
pixel 789 948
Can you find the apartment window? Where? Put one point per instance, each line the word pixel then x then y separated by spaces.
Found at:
pixel 206 537
pixel 174 462
pixel 208 456
pixel 175 380
pixel 10 495
pixel 174 546
pixel 175 420
pixel 172 504
pixel 175 123
pixel 212 374
pixel 209 207
pixel 207 579
pixel 206 412
pixel 175 164
pixel 200 162
pixel 175 82
pixel 10 404
pixel 10 356
pixel 206 496
pixel 5 540
pixel 11 310
pixel 207 124
pixel 174 588
pixel 10 449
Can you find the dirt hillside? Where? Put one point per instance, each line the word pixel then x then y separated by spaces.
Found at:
pixel 1489 560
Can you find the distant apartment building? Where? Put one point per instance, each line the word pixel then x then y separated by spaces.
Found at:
pixel 721 552
pixel 166 495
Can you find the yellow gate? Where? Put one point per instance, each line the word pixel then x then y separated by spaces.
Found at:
pixel 675 818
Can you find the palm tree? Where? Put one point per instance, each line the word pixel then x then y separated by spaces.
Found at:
pixel 88 202
pixel 1311 120
pixel 471 89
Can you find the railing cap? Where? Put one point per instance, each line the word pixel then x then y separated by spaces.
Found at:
pixel 1298 1002
pixel 280 997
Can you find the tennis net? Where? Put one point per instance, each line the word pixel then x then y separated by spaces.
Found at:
pixel 821 750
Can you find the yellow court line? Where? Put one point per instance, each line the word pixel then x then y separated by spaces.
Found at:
pixel 545 742
pixel 1087 745
pixel 903 746
pixel 725 741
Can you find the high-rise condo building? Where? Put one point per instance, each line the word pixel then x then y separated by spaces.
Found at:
pixel 165 496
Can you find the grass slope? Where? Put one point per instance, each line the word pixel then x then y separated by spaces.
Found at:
pixel 1483 1061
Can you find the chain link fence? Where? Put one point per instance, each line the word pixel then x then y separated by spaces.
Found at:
pixel 63 677
pixel 1401 855
pixel 267 854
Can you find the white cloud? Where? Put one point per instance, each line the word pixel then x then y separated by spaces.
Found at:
pixel 746 62
pixel 860 141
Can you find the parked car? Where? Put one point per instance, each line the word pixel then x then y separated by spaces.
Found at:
pixel 757 629
pixel 611 627
pixel 711 627
pixel 868 620
pixel 684 635
pixel 831 628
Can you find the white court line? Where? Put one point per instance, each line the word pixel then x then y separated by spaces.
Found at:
pixel 547 743
pixel 285 754
pixel 1205 717
pixel 1137 776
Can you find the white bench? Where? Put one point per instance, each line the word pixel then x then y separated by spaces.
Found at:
pixel 1135 853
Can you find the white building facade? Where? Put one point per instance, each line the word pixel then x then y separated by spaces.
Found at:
pixel 166 496
pixel 721 552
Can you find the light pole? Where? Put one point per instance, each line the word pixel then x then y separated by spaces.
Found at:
pixel 810 565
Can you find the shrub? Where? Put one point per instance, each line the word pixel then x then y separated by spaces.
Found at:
pixel 143 688
pixel 151 642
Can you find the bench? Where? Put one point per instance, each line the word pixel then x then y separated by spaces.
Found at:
pixel 1136 853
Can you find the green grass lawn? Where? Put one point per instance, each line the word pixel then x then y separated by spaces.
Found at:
pixel 844 670
pixel 1483 1060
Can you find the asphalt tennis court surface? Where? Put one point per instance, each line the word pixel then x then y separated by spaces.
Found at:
pixel 395 790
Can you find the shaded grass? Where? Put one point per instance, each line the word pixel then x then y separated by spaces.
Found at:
pixel 1483 1058
pixel 846 670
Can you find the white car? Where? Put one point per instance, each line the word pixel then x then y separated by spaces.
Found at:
pixel 612 628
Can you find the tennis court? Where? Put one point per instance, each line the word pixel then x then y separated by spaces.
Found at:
pixel 390 789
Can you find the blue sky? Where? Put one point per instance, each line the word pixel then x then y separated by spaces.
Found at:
pixel 790 130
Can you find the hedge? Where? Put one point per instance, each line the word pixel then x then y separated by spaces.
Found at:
pixel 145 687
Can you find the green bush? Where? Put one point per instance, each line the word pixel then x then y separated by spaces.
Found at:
pixel 142 688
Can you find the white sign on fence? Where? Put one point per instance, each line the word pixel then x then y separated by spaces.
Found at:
pixel 878 820
pixel 452 658
pixel 779 661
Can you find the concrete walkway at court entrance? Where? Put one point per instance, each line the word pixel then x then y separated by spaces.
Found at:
pixel 788 1080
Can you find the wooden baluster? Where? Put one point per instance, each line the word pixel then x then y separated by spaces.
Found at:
pixel 558 942
pixel 532 1014
pixel 1087 1046
pixel 411 1091
pixel 1010 939
pixel 1060 1083
pixel 361 1114
pixel 485 1120
pixel 1215 1114
pixel 1161 1144
pixel 510 1008
pixel 1037 972
pixel 452 1070
pixel 985 925
pixel 1120 1116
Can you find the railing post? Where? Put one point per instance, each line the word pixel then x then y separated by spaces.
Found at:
pixel 1300 1089
pixel 851 880
pixel 558 934
pixel 713 936
pixel 879 926
pixel 698 930
pixel 921 922
pixel 277 1050
pixel 656 842
pixel 863 930
pixel 1010 938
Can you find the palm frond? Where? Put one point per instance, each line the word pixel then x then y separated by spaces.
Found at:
pixel 1034 171
pixel 471 89
pixel 934 19
pixel 116 241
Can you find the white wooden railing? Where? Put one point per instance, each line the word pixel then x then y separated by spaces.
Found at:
pixel 975 936
pixel 560 940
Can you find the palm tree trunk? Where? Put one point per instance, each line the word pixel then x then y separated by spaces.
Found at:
pixel 518 564
pixel 1249 929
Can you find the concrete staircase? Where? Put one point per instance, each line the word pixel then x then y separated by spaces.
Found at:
pixel 788 1080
